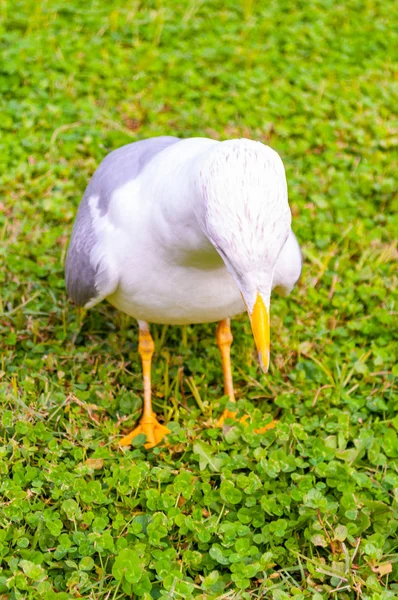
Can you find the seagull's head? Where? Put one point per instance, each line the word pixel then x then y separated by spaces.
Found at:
pixel 243 209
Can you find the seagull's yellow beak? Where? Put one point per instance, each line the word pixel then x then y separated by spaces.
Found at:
pixel 259 319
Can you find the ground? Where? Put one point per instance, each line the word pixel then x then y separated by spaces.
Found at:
pixel 306 510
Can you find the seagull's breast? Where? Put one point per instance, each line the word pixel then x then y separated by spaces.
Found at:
pixel 158 290
pixel 162 281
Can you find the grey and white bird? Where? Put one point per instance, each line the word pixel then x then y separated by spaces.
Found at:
pixel 183 231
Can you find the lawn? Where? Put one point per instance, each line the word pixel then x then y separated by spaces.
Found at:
pixel 306 510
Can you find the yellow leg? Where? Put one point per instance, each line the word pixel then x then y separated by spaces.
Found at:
pixel 224 341
pixel 148 424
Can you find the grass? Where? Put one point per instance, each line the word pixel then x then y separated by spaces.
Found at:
pixel 307 510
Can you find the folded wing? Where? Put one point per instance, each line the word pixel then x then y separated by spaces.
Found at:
pixel 90 273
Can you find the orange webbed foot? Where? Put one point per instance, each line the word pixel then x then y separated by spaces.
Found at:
pixel 228 414
pixel 153 430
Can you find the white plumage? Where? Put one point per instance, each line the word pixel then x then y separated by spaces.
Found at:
pixel 185 231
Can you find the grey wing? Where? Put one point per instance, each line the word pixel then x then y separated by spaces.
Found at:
pixel 89 273
pixel 288 266
pixel 80 271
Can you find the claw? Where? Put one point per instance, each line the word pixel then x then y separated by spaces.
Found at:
pixel 266 427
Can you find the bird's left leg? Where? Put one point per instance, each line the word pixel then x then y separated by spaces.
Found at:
pixel 224 341
pixel 149 425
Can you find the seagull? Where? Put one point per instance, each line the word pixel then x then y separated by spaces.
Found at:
pixel 184 231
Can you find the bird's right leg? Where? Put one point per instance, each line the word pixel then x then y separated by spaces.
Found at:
pixel 149 425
